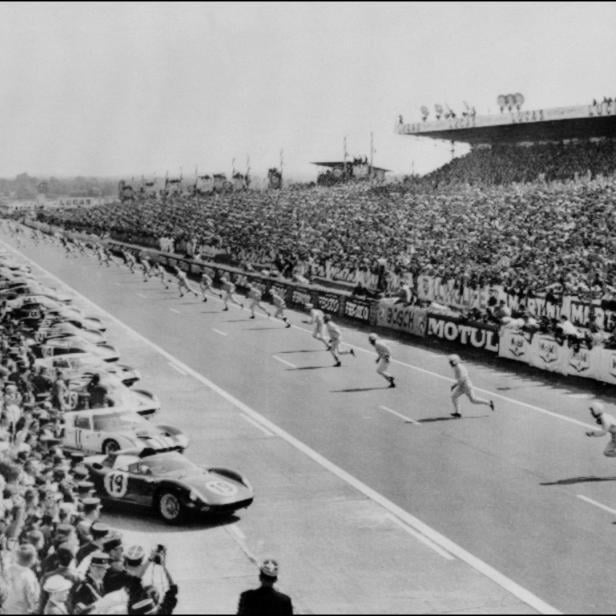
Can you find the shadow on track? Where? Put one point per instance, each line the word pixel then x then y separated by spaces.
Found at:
pixel 449 418
pixel 301 351
pixel 259 329
pixel 573 480
pixel 310 367
pixel 353 389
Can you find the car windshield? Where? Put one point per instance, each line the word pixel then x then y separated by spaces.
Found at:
pixel 166 463
pixel 118 421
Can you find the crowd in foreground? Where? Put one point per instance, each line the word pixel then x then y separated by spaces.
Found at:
pixel 529 237
pixel 56 555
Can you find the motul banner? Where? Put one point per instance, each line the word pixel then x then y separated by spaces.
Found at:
pixel 479 337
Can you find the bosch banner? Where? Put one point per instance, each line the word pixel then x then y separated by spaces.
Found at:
pixel 405 318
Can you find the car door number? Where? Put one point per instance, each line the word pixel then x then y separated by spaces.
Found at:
pixel 222 488
pixel 116 484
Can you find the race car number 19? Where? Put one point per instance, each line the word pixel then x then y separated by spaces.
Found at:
pixel 116 484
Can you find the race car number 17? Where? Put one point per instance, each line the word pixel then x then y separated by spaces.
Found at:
pixel 116 484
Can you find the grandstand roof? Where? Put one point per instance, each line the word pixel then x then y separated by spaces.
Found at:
pixel 581 122
pixel 340 165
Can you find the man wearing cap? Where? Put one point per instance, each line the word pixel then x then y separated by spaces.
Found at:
pixel 98 532
pixel 92 587
pixel 116 576
pixel 23 588
pixel 136 563
pixel 91 513
pixel 58 589
pixel 64 559
pixel 462 386
pixel 265 600
pixel 608 426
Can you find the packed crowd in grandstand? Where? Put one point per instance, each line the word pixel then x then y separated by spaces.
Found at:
pixel 529 218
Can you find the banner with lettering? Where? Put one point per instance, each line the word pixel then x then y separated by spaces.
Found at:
pixel 479 336
pixel 357 308
pixel 401 317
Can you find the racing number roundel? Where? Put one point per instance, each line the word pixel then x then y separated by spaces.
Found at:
pixel 220 487
pixel 116 484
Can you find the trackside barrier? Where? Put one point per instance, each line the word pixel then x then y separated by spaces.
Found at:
pixel 295 295
pixel 543 351
pixel 396 315
pixel 476 335
pixel 539 350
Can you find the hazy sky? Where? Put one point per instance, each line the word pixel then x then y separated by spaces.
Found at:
pixel 112 89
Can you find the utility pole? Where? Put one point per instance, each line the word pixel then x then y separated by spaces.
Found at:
pixel 370 172
pixel 281 166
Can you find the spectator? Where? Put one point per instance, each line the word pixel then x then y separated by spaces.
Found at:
pixel 23 590
pixel 265 600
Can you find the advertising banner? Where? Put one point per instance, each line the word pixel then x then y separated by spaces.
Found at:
pixel 545 353
pixel 514 345
pixel 328 302
pixel 358 309
pixel 401 317
pixel 477 336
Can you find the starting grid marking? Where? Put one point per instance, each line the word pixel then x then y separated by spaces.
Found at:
pixel 404 516
pixel 284 361
pixel 407 419
pixel 219 332
pixel 596 504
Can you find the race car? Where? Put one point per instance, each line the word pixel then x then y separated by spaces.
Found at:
pixel 59 329
pixel 75 344
pixel 81 367
pixel 140 401
pixel 111 429
pixel 46 307
pixel 168 483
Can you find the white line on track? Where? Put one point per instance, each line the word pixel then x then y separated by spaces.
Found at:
pixel 256 424
pixel 420 537
pixel 141 295
pixel 239 538
pixel 443 542
pixel 284 361
pixel 177 368
pixel 596 504
pixel 174 310
pixel 219 332
pixel 386 408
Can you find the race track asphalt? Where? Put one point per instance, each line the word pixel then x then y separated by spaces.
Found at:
pixel 521 489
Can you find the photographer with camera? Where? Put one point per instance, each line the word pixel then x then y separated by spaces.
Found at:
pixel 144 598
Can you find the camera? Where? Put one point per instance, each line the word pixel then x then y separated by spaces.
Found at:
pixel 158 554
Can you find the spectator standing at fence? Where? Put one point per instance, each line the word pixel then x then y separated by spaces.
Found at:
pixel 280 305
pixel 265 600
pixel 462 386
pixel 383 358
pixel 317 318
pixel 608 426
pixel 335 338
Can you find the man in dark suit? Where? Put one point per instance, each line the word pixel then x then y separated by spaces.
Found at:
pixel 265 600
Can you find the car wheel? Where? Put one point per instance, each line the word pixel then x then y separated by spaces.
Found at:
pixel 170 508
pixel 110 446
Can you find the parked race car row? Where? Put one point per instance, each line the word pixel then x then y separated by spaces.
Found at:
pixel 81 382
